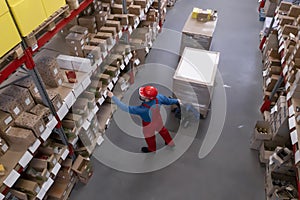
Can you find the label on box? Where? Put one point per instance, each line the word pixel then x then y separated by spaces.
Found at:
pixel 122 66
pixel 34 47
pixel 36 90
pixel 105 93
pixel 7 120
pixel 45 135
pixel 60 82
pixel 265 72
pixel 41 194
pixel 285 70
pixel 37 189
pixel 100 140
pixel 41 128
pixel 115 79
pixel 34 146
pixel 86 125
pixel 292 123
pixel 55 71
pixel 26 158
pixel 4 148
pixel 48 184
pixel 274 109
pixel 51 124
pixel 101 100
pixel 297 157
pixel 95 110
pixel 291 110
pixel 288 96
pixel 16 110
pixel 110 86
pixel 118 73
pixel 130 29
pixel 120 34
pixel 27 101
pixel 55 169
pixel 65 154
pixel 11 178
pixel 137 61
pixel 126 60
pixel 294 137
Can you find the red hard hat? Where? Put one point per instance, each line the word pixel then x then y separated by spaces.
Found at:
pixel 149 92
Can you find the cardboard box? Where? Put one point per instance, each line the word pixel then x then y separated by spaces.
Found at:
pixel 5 121
pixel 106 7
pixel 142 3
pixel 42 111
pixel 3 146
pixel 32 122
pixel 29 84
pixel 105 36
pixel 37 175
pixel 90 97
pixel 122 18
pixel 100 43
pixel 135 9
pixel 83 168
pixel 117 9
pixel 110 70
pixel 284 6
pixel 58 191
pixel 54 97
pixel 10 105
pixel 294 11
pixel 27 186
pixel 101 18
pixel 54 82
pixel 70 128
pixel 78 119
pixel 112 30
pixel 96 87
pixel 105 79
pixel 87 21
pixel 95 51
pixel 115 60
pixel 75 40
pixel 18 194
pixel 74 63
pixel 113 23
pixel 47 67
pixel 21 94
pixel 81 107
pixel 262 131
pixel 19 137
pixel 79 29
pixel 38 164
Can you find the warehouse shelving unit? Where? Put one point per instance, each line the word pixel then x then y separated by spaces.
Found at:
pixel 23 158
pixel 293 104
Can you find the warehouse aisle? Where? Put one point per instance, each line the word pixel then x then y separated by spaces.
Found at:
pixel 231 170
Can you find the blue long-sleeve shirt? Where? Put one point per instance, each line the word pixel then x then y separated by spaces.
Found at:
pixel 141 110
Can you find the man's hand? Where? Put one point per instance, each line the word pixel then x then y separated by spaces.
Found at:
pixel 110 94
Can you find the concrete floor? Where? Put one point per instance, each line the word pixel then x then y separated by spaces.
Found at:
pixel 231 170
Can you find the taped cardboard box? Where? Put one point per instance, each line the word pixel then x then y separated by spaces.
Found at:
pixel 43 112
pixel 5 120
pixel 132 19
pixel 135 9
pixel 78 119
pixel 75 40
pixel 123 18
pixel 18 138
pixel 122 49
pixel 70 128
pixel 115 60
pixel 48 155
pixel 102 43
pixel 101 18
pixel 83 168
pixel 89 22
pixel 117 9
pixel 47 67
pixel 58 191
pixel 113 23
pixel 142 3
pixel 110 70
pixel 105 36
pixel 27 186
pixel 79 29
pixel 54 97
pixel 10 105
pixel 111 30
pixel 106 7
pixel 22 95
pixel 105 79
pixel 294 11
pixel 32 122
pixel 29 84
pixel 95 51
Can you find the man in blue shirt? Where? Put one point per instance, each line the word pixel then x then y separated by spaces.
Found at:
pixel 149 111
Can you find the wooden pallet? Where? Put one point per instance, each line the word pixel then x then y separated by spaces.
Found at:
pixel 48 25
pixel 16 52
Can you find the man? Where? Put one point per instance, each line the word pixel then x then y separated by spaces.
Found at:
pixel 149 111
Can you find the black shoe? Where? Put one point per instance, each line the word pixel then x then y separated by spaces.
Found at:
pixel 146 150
